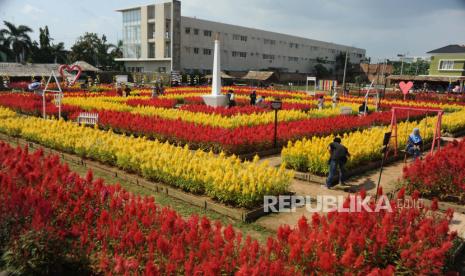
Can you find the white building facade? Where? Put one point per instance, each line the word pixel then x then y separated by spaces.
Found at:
pixel 154 42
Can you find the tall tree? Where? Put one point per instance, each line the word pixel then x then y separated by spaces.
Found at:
pixel 42 51
pixel 18 39
pixel 117 52
pixel 59 53
pixel 87 48
pixel 44 38
pixel 321 71
pixel 418 67
pixel 95 50
pixel 5 52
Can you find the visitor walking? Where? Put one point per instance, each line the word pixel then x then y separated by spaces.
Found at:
pixel 253 97
pixel 126 91
pixel 261 102
pixel 231 98
pixel 155 91
pixel 321 102
pixel 415 144
pixel 335 99
pixel 339 155
pixel 362 109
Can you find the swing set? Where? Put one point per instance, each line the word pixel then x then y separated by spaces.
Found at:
pixel 437 130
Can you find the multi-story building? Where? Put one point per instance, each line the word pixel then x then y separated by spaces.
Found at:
pixel 156 38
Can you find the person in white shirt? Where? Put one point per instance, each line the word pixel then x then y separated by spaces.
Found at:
pixel 335 99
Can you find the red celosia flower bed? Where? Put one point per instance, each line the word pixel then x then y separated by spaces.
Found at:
pixel 429 96
pixel 31 104
pixel 440 175
pixel 223 111
pixel 19 85
pixel 242 139
pixel 121 233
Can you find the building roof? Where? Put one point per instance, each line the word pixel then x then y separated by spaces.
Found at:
pixel 449 49
pixel 86 66
pixel 223 76
pixel 28 69
pixel 12 69
pixel 425 78
pixel 376 68
pixel 258 75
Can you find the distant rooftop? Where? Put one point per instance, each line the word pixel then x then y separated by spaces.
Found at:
pixel 449 49
pixel 143 5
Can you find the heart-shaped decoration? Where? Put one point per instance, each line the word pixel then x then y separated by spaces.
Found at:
pixel 69 69
pixel 405 87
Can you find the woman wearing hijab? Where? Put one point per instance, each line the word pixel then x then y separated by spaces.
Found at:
pixel 415 143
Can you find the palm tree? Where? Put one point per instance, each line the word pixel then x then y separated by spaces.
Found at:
pixel 59 53
pixel 18 39
pixel 117 50
pixel 4 48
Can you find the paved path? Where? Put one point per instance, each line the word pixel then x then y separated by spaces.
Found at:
pixel 368 181
pixel 458 224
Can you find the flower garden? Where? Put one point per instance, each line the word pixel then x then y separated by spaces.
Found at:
pixel 89 226
pixel 177 140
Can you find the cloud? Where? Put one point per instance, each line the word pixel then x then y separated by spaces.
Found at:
pixel 31 10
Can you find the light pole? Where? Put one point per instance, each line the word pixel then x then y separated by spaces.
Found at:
pixel 344 76
pixel 402 56
pixel 276 105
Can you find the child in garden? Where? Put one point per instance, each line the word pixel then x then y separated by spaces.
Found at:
pixel 415 144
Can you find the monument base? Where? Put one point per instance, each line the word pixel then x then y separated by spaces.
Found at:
pixel 215 100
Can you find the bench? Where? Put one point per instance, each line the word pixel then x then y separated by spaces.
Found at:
pixel 87 118
pixel 346 110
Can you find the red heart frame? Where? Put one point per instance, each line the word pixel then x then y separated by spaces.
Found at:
pixel 70 69
pixel 405 87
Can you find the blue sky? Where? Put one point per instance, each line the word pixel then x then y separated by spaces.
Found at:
pixel 384 27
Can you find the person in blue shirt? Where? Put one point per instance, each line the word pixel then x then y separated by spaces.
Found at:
pixel 415 144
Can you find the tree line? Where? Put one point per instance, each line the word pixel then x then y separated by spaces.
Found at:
pixel 16 45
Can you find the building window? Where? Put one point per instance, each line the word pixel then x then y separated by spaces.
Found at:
pixel 207 33
pixel 293 45
pixel 240 37
pixel 207 52
pixel 266 56
pixel 196 50
pixel 446 65
pixel 188 49
pixel 269 41
pixel 162 69
pixel 196 31
pixel 188 30
pixel 293 59
pixel 131 34
pixel 239 54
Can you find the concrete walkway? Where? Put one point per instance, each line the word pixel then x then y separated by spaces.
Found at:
pixel 368 181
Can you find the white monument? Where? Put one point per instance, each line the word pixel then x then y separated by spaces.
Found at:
pixel 216 98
